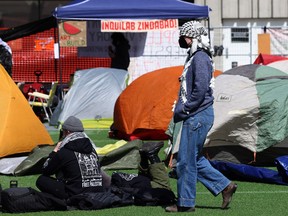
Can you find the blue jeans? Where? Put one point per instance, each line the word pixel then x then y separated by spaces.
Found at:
pixel 192 165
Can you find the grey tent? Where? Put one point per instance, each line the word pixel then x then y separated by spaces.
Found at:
pixel 251 110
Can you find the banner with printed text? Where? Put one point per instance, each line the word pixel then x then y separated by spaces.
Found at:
pixel 138 25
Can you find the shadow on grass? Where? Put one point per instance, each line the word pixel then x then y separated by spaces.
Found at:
pixel 210 207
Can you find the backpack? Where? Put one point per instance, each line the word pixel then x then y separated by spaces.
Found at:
pixel 27 199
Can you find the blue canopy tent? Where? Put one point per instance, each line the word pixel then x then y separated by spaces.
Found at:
pixel 130 9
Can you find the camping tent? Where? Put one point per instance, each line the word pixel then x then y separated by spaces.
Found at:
pixel 280 65
pixel 20 129
pixel 144 109
pixel 145 113
pixel 92 96
pixel 266 59
pixel 130 9
pixel 250 115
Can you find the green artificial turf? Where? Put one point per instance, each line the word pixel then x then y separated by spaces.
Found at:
pixel 255 199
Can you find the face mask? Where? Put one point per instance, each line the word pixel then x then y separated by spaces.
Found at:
pixel 182 43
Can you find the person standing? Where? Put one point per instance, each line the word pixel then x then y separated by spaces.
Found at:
pixel 194 108
pixel 120 53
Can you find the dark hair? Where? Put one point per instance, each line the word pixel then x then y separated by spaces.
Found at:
pixel 6 59
pixel 119 37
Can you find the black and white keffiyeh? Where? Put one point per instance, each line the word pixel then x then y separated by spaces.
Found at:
pixel 198 33
pixel 74 136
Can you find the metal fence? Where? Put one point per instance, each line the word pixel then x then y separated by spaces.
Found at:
pixel 234 46
pixel 242 45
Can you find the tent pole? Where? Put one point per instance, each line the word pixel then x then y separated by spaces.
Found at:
pixel 59 66
pixel 209 29
pixel 56 39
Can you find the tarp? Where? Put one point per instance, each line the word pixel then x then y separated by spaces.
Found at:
pixel 250 114
pixel 28 29
pixel 248 173
pixel 92 96
pixel 130 9
pixel 20 128
pixel 123 156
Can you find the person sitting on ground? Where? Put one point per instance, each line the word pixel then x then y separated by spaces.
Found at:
pixel 75 163
pixel 150 186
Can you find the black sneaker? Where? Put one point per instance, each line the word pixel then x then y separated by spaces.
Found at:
pixel 173 174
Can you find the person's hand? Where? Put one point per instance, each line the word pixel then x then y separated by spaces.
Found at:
pixel 57 147
pixel 173 106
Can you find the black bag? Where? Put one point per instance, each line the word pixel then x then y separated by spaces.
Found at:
pixel 126 180
pixel 154 197
pixel 113 197
pixel 22 199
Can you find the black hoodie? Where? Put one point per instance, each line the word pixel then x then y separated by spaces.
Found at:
pixel 77 165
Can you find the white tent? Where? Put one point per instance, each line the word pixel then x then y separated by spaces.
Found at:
pixel 92 96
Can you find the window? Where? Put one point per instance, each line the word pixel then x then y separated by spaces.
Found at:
pixel 239 35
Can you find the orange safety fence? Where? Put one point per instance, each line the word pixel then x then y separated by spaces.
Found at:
pixel 35 53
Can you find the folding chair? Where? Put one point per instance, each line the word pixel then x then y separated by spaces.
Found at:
pixel 43 100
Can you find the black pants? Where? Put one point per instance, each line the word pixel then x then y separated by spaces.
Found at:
pixel 52 186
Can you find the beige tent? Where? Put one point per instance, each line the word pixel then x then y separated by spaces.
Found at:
pixel 20 129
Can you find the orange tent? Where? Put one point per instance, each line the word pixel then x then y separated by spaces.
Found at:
pixel 217 73
pixel 20 129
pixel 144 109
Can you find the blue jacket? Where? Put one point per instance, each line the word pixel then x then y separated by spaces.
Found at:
pixel 199 92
